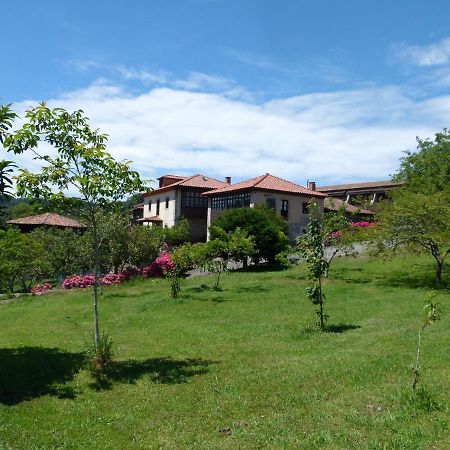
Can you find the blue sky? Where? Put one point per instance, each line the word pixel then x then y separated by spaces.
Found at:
pixel 325 90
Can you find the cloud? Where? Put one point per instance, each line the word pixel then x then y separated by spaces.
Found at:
pixel 339 136
pixel 146 76
pixel 435 54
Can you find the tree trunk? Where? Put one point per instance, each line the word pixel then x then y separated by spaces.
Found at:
pixel 322 323
pixel 96 270
pixel 439 266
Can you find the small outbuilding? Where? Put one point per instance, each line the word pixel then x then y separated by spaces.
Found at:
pixel 30 223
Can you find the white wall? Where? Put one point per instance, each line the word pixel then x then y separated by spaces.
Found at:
pixel 167 214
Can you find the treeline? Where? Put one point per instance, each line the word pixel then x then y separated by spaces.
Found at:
pixel 52 254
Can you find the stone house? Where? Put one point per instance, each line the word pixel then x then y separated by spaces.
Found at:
pixel 291 201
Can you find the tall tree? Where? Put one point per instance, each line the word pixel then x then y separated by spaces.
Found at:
pixel 81 164
pixel 418 218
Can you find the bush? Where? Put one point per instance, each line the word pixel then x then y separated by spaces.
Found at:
pixel 159 267
pixel 267 228
pixel 39 289
pixel 85 281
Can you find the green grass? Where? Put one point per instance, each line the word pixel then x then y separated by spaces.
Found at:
pixel 241 368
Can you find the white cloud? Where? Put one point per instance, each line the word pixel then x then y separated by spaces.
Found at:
pixel 330 137
pixel 434 54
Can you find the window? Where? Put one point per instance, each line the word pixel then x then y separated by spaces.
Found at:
pixel 157 206
pixel 305 208
pixel 231 201
pixel 285 209
pixel 270 203
pixel 149 205
pixel 193 200
pixel 167 202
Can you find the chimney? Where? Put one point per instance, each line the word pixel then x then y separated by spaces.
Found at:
pixel 228 180
pixel 312 185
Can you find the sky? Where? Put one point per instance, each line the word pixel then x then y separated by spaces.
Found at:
pixel 330 91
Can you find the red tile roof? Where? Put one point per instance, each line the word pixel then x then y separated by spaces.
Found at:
pixel 334 204
pixel 50 219
pixel 266 182
pixel 196 181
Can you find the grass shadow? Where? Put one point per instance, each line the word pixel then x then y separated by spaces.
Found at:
pixel 159 370
pixel 258 288
pixel 31 372
pixel 341 328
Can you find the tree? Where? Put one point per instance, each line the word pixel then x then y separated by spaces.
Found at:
pixel 22 258
pixel 311 246
pixel 81 164
pixel 232 246
pixel 267 228
pixel 6 167
pixel 418 217
pixel 416 222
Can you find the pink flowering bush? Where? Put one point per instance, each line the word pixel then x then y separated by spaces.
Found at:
pixel 362 224
pixel 159 267
pixel 84 281
pixel 78 281
pixel 41 288
pixel 113 278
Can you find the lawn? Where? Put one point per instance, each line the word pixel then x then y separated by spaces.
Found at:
pixel 241 368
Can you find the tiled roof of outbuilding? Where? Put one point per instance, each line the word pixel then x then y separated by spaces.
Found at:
pixel 50 219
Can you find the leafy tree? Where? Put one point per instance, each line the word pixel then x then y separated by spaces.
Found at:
pixel 418 218
pixel 232 246
pixel 416 222
pixel 23 259
pixel 81 164
pixel 267 228
pixel 183 258
pixel 311 247
pixel 68 251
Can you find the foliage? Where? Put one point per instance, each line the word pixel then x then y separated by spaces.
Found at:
pixel 81 163
pixel 267 228
pixel 183 258
pixel 431 314
pixel 311 247
pixel 177 235
pixel 418 218
pixel 416 222
pixel 22 259
pixel 216 254
pixel 68 251
pixel 100 357
pixel 427 171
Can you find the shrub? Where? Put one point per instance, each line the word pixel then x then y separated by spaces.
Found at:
pixel 159 267
pixel 268 230
pixel 39 289
pixel 85 281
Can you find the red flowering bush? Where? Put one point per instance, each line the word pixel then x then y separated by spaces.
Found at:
pixel 159 267
pixel 41 288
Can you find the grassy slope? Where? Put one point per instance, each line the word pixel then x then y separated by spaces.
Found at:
pixel 231 369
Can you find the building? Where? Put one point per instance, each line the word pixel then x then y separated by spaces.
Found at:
pixel 367 193
pixel 30 223
pixel 179 197
pixel 288 199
